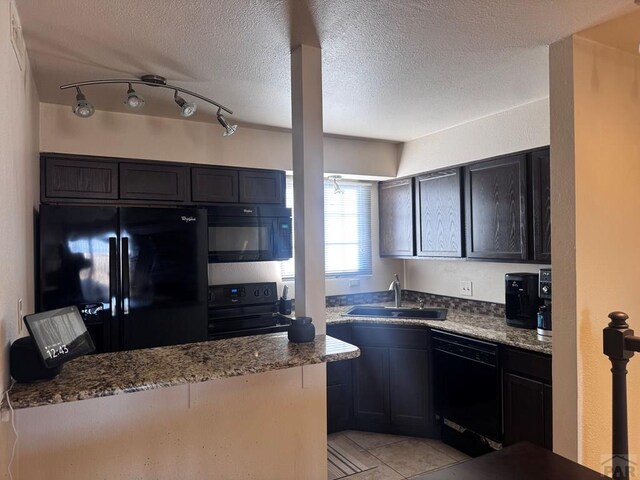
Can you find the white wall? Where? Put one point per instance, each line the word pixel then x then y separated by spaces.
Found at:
pixel 177 140
pixel 521 128
pixel 595 171
pixel 18 194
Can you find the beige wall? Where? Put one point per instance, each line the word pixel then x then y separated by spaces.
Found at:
pixel 520 128
pixel 605 144
pixel 200 431
pixel 174 139
pixel 18 192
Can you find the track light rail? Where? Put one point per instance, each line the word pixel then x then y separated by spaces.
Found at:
pixel 149 80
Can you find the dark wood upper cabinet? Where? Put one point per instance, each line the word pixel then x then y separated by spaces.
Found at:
pixel 155 182
pixel 77 179
pixel 439 214
pixel 541 192
pixel 396 218
pixel 496 209
pixel 214 185
pixel 261 186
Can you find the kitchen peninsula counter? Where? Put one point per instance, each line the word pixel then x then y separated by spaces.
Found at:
pixel 115 373
pixel 482 327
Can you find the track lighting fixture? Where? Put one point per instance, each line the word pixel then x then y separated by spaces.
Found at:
pixel 134 100
pixel 82 107
pixel 186 108
pixel 228 129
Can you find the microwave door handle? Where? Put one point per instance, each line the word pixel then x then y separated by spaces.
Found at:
pixel 126 290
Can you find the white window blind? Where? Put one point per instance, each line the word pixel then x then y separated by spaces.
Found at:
pixel 347 229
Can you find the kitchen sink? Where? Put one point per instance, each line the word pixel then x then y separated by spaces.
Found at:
pixel 397 312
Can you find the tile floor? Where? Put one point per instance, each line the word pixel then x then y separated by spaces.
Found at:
pixel 396 457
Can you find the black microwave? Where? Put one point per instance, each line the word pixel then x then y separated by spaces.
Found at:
pixel 249 234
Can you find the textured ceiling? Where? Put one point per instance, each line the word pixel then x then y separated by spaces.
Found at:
pixel 392 69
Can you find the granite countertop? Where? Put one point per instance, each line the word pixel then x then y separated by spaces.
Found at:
pixel 483 327
pixel 137 370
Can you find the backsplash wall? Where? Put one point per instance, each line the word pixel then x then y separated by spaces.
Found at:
pixel 443 277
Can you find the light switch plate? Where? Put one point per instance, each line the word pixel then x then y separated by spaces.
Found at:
pixel 354 282
pixel 466 288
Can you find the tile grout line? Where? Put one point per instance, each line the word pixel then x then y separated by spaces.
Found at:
pixel 384 463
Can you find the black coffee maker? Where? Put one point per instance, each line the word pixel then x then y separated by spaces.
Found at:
pixel 521 299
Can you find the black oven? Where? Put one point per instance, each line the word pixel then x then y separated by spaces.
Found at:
pixel 249 234
pixel 467 383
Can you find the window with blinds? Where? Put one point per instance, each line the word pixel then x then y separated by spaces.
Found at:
pixel 347 229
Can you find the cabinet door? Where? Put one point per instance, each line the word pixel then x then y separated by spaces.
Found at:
pixel 371 389
pixel 79 179
pixel 438 214
pixel 496 209
pixel 261 186
pixel 396 218
pixel 524 411
pixel 409 392
pixel 339 385
pixel 548 417
pixel 142 181
pixel 541 190
pixel 214 185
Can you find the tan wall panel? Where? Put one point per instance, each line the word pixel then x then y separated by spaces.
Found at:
pixel 265 426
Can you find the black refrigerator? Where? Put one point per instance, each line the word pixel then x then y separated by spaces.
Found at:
pixel 138 275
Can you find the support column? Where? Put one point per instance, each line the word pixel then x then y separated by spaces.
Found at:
pixel 308 183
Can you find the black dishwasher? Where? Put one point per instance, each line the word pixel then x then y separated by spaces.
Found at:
pixel 467 383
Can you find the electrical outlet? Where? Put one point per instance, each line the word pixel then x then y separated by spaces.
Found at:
pixel 20 322
pixel 466 288
pixel 354 282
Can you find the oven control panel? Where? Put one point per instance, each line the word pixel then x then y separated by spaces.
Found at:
pixel 242 294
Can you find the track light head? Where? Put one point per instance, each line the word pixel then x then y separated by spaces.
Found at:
pixel 82 107
pixel 186 108
pixel 134 100
pixel 228 129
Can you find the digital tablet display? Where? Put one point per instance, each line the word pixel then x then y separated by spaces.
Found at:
pixel 60 335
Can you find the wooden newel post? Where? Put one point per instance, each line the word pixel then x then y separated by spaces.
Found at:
pixel 614 343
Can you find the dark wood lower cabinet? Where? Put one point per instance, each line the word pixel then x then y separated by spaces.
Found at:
pixel 527 398
pixel 409 398
pixel 389 387
pixel 339 385
pixel 371 392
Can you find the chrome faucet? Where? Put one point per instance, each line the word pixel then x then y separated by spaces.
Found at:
pixel 395 286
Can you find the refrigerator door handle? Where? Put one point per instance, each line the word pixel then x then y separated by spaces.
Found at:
pixel 126 291
pixel 113 279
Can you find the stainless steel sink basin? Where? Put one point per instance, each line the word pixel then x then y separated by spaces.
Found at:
pixel 393 312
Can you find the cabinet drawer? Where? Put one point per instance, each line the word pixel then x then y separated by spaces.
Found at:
pixel 529 364
pixel 79 179
pixel 140 181
pixel 390 336
pixel 261 186
pixel 214 185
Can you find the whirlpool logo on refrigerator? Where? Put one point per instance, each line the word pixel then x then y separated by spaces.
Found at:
pixel 186 219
